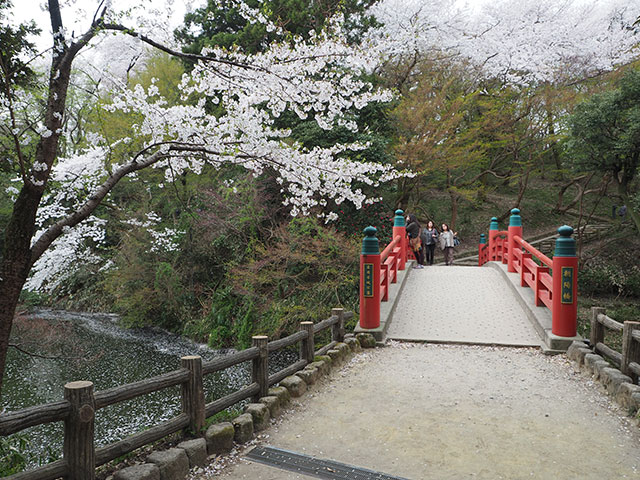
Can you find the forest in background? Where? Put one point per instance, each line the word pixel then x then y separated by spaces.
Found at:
pixel 217 255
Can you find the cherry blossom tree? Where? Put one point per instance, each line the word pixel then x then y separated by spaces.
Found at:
pixel 58 190
pixel 521 43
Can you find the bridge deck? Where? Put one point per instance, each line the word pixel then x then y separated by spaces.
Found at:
pixel 460 305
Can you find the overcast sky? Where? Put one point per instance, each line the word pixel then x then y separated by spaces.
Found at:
pixel 36 10
pixel 24 10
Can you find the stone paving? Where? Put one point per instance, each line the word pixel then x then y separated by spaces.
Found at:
pixel 453 304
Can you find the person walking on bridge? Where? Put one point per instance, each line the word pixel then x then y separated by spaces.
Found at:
pixel 413 232
pixel 430 238
pixel 447 243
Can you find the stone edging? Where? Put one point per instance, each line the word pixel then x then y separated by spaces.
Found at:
pixel 616 384
pixel 175 463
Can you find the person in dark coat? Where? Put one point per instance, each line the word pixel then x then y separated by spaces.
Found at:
pixel 413 232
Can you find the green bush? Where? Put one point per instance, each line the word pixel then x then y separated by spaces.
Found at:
pixel 607 279
pixel 229 321
pixel 12 455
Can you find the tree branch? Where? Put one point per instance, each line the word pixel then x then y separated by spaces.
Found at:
pixel 36 355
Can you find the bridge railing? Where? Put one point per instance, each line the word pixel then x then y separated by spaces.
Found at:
pixel 77 409
pixel 628 360
pixel 535 275
pixel 554 281
pixel 379 270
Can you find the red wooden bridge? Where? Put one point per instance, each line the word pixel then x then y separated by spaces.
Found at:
pixel 528 299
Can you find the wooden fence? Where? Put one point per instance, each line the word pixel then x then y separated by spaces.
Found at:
pixel 77 409
pixel 629 359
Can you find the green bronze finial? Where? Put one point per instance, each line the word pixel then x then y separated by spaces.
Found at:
pixel 483 238
pixel 370 245
pixel 565 244
pixel 398 220
pixel 515 220
pixel 494 223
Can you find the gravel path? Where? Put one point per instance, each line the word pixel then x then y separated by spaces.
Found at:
pixel 427 411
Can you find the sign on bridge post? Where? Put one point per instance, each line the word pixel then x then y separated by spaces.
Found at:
pixel 370 280
pixel 565 285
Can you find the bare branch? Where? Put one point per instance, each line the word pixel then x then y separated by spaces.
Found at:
pixel 36 355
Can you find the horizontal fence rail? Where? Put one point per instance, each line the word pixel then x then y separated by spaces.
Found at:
pixel 554 281
pixel 629 359
pixel 77 410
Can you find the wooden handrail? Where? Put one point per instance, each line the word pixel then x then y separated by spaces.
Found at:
pixel 533 251
pixel 50 471
pixel 13 422
pixel 135 441
pixel 123 393
pixel 389 248
pixel 610 322
pixel 227 361
pixel 286 341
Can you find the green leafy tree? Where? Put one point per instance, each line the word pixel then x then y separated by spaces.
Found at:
pixel 15 47
pixel 223 24
pixel 605 137
pixel 458 134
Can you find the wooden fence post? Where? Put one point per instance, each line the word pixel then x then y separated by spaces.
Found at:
pixel 193 393
pixel 630 349
pixel 307 346
pixel 78 448
pixel 597 329
pixel 260 366
pixel 337 329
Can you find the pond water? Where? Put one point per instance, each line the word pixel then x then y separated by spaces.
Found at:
pixel 111 356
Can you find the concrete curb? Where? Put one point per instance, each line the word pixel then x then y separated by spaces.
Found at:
pixel 388 308
pixel 540 317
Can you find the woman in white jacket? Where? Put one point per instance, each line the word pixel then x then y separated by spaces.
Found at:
pixel 446 243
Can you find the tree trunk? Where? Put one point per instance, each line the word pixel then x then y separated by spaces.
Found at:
pixel 454 210
pixel 16 263
pixel 17 258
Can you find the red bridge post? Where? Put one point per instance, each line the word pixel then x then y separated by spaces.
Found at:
pixel 370 280
pixel 565 285
pixel 399 228
pixel 493 228
pixel 481 247
pixel 515 229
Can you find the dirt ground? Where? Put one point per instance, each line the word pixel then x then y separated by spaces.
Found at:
pixel 426 411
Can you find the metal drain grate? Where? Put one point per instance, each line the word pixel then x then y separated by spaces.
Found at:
pixel 314 467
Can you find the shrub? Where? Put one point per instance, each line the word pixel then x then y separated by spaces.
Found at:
pixel 12 455
pixel 602 279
